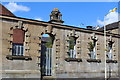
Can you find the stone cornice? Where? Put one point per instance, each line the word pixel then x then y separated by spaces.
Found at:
pixel 57 25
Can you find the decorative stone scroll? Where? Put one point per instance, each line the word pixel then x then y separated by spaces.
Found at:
pixel 20 24
pixel 73 33
pixel 93 37
pixel 110 40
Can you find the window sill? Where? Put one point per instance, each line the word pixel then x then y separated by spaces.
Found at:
pixel 111 61
pixel 94 60
pixel 10 57
pixel 48 77
pixel 73 59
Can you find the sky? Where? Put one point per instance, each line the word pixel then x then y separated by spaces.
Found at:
pixel 61 0
pixel 78 14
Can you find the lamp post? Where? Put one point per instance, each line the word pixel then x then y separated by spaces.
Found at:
pixel 105 41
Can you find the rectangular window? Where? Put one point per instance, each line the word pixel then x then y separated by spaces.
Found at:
pixel 18 41
pixel 17 49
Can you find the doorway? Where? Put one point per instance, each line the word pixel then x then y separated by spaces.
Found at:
pixel 46 55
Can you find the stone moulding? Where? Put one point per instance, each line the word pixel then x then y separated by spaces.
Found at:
pixel 52 24
pixel 73 59
pixel 94 60
pixel 111 61
pixel 50 78
pixel 10 57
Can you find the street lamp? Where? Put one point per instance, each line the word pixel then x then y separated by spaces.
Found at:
pixel 105 41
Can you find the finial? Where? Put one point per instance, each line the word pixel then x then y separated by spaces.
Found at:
pixel 55 9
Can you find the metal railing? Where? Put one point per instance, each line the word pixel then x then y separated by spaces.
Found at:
pixel 48 60
pixel 72 53
pixel 93 55
pixel 17 50
pixel 109 55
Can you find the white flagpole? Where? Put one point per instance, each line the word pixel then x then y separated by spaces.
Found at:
pixel 105 47
pixel 105 41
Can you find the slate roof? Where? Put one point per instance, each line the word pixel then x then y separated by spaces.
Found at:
pixel 110 26
pixel 5 11
pixel 45 39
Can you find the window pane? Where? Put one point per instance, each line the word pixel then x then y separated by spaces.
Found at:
pixel 17 49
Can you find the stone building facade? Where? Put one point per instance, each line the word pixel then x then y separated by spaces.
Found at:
pixel 22 56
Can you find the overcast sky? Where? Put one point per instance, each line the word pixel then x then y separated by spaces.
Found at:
pixel 78 14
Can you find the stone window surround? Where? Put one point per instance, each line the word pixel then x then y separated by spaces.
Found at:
pixel 10 56
pixel 89 60
pixel 65 59
pixel 99 60
pixel 68 59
